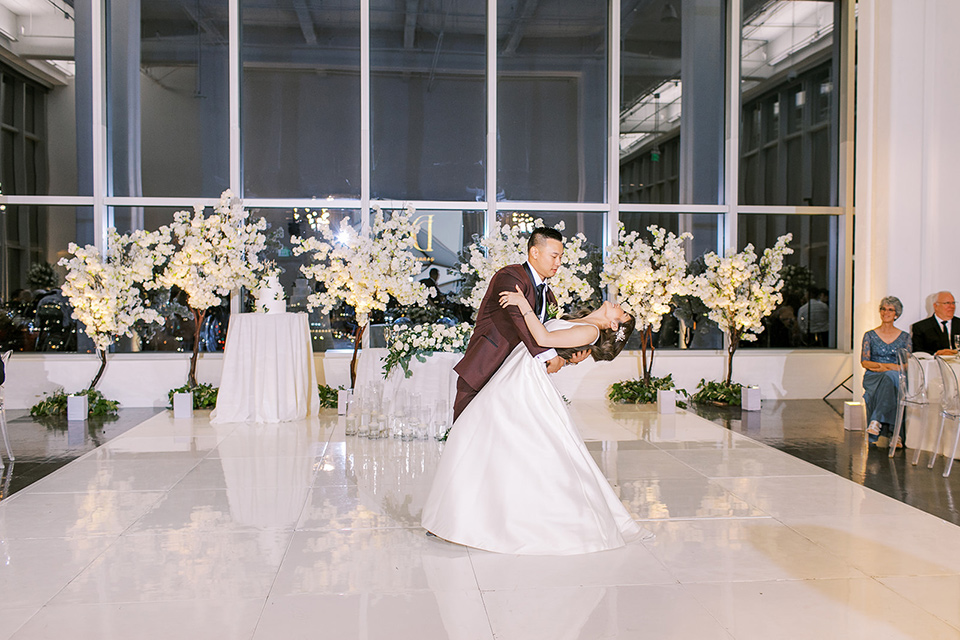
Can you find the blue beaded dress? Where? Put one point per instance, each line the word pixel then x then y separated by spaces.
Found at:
pixel 880 387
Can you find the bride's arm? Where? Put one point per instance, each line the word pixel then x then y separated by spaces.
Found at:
pixel 576 336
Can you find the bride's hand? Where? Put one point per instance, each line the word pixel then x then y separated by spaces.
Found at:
pixel 516 298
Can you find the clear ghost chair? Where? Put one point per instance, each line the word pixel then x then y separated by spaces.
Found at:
pixel 949 408
pixel 5 357
pixel 911 391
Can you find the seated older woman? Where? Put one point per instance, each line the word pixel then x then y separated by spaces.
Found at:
pixel 878 356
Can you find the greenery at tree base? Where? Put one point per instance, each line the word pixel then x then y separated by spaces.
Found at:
pixel 713 392
pixel 707 392
pixel 328 396
pixel 640 392
pixel 204 395
pixel 55 404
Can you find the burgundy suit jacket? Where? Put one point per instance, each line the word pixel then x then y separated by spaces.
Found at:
pixel 498 330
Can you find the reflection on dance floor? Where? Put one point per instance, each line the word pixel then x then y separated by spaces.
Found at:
pixel 182 528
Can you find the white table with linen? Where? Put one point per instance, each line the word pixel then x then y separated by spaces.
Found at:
pixel 924 435
pixel 268 373
pixel 435 380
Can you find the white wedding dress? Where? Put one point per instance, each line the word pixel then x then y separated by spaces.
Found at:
pixel 515 476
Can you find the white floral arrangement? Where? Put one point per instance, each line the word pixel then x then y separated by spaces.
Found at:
pixel 506 245
pixel 647 276
pixel 107 291
pixel 741 291
pixel 364 270
pixel 211 256
pixel 215 254
pixel 405 342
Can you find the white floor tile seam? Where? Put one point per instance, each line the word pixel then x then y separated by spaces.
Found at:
pixel 732 626
pixel 907 509
pixel 25 620
pixel 706 608
pixel 486 615
pixel 701 518
pixel 739 581
pixel 398 527
pixel 276 575
pixel 862 565
pixel 37 487
pixel 921 605
pixel 80 571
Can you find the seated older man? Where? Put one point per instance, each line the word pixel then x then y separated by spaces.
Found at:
pixel 934 335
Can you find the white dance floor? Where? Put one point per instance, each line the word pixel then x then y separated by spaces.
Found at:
pixel 182 529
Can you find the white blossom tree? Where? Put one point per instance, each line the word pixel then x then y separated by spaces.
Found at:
pixel 364 270
pixel 506 245
pixel 107 292
pixel 647 277
pixel 211 256
pixel 741 291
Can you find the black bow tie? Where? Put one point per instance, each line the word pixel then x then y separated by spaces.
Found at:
pixel 538 308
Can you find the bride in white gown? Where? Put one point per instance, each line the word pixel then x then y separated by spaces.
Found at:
pixel 515 476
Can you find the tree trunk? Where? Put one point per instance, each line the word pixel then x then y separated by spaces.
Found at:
pixel 646 339
pixel 734 343
pixel 102 354
pixel 198 317
pixel 356 346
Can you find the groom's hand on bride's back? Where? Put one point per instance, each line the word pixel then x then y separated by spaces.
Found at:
pixel 555 363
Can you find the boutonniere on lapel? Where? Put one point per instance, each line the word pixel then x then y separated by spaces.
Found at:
pixel 553 311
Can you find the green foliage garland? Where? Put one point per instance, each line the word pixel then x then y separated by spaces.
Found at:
pixel 55 404
pixel 720 393
pixel 328 396
pixel 640 392
pixel 204 395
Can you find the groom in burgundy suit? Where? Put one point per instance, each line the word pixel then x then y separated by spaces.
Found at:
pixel 499 329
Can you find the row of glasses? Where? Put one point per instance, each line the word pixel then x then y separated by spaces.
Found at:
pixel 406 416
pixel 363 410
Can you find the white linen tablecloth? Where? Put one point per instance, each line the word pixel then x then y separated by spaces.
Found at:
pixel 434 379
pixel 268 373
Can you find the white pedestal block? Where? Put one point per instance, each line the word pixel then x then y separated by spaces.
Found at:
pixel 750 398
pixel 854 416
pixel 77 407
pixel 343 398
pixel 666 401
pixel 183 405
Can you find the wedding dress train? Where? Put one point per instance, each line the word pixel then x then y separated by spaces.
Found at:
pixel 515 476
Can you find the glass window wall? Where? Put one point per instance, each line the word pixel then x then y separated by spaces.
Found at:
pixel 301 98
pixel 166 79
pixel 807 317
pixel 428 100
pixel 789 145
pixel 33 315
pixel 551 101
pixel 168 98
pixel 687 325
pixel 671 102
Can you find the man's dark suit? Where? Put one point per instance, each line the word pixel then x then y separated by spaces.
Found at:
pixel 928 335
pixel 497 331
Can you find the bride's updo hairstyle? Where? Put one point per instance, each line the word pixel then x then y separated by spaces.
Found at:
pixel 610 343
